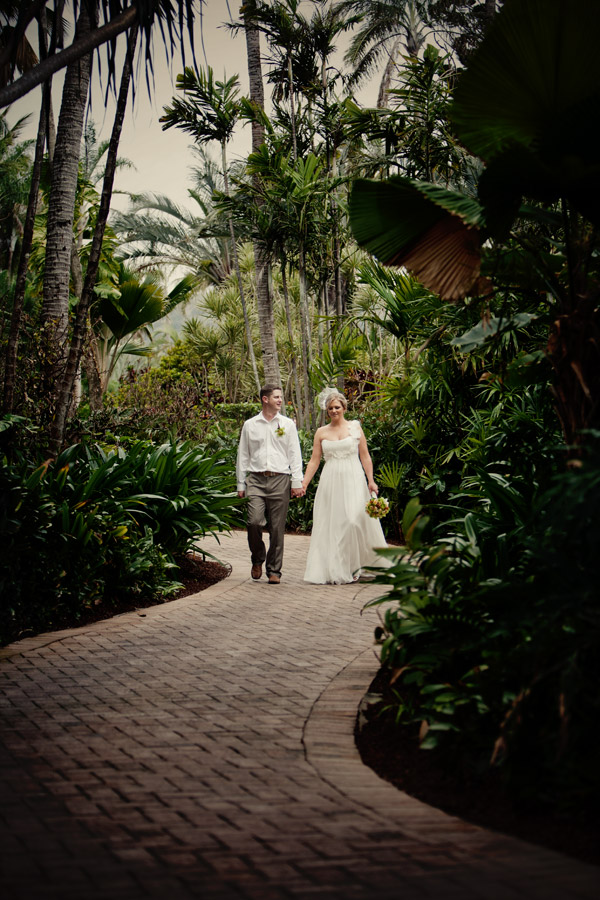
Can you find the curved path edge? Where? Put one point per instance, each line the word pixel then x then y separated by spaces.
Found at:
pixel 331 750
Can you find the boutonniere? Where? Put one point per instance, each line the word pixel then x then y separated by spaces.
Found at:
pixel 280 431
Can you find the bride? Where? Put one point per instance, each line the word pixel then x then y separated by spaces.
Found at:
pixel 343 535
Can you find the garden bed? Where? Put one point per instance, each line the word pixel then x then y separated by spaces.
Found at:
pixel 195 573
pixel 393 753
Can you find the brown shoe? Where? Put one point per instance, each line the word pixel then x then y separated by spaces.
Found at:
pixel 256 572
pixel 274 579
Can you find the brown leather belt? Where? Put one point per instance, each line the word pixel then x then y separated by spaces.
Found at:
pixel 269 474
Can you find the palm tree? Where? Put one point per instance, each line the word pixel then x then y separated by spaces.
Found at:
pixel 61 209
pixel 15 173
pixel 125 313
pixel 324 31
pixel 73 361
pixel 387 25
pixel 286 30
pixel 116 18
pixel 157 233
pixel 426 147
pixel 109 20
pixel 209 112
pixel 264 300
pixel 24 59
pixel 290 222
pixel 16 51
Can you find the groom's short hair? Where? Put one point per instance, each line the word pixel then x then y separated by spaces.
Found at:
pixel 268 389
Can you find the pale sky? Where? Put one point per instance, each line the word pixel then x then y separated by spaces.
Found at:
pixel 162 159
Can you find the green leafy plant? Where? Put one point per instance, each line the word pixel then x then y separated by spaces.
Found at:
pixel 490 634
pixel 99 527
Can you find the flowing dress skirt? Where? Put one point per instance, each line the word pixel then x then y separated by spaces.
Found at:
pixel 343 535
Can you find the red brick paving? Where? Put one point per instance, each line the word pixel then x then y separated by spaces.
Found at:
pixel 204 749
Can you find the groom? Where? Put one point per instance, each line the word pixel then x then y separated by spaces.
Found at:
pixel 268 457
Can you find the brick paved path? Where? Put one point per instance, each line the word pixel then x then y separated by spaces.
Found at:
pixel 204 749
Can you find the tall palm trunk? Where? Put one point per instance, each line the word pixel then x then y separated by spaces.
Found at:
pixel 264 301
pixel 290 328
pixel 44 136
pixel 386 79
pixel 292 107
pixel 238 273
pixel 61 206
pixel 12 348
pixel 305 329
pixel 335 232
pixel 81 320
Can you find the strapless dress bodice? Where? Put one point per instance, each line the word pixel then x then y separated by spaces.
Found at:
pixel 339 449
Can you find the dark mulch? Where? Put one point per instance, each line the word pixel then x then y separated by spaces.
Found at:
pixel 194 572
pixel 393 753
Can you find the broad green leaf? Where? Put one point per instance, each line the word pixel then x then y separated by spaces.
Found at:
pixel 538 60
pixel 478 335
pixel 529 103
pixel 433 232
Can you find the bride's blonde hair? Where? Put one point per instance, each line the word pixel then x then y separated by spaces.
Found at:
pixel 328 395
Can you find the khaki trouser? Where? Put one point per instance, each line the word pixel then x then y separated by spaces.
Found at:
pixel 268 501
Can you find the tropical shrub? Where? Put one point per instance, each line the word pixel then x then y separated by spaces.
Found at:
pixel 491 634
pixel 183 494
pixel 97 527
pixel 156 406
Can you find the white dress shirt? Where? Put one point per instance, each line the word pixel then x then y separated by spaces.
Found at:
pixel 261 449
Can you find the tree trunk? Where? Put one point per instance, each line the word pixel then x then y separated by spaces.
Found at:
pixel 292 107
pixel 21 281
pixel 386 79
pixel 288 317
pixel 81 321
pixel 92 370
pixel 61 206
pixel 238 274
pixel 264 301
pixel 305 331
pixel 43 134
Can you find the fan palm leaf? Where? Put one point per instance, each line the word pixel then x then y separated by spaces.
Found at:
pixel 431 231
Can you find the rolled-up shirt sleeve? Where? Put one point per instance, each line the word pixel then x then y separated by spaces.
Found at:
pixel 243 459
pixel 295 456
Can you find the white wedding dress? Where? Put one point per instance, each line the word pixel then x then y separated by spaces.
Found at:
pixel 343 535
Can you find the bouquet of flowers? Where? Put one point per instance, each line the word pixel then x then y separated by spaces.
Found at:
pixel 377 507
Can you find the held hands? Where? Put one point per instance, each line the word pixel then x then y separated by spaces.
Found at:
pixel 305 485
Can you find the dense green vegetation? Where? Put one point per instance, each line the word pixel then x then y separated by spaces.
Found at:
pixel 436 255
